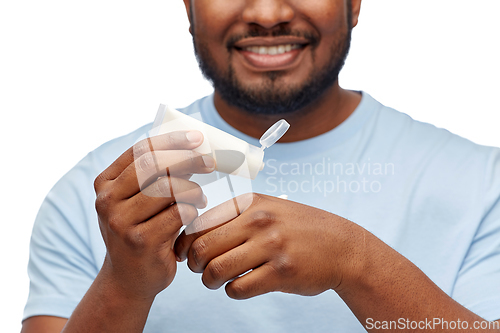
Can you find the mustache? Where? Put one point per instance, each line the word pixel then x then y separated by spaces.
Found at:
pixel 279 31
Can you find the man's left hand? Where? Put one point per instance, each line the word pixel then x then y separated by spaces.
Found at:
pixel 281 245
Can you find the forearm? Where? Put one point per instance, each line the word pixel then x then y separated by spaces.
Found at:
pixel 389 288
pixel 106 308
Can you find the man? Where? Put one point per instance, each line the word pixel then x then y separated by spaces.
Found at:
pixel 391 224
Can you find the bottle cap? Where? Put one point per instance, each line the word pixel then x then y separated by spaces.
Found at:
pixel 274 133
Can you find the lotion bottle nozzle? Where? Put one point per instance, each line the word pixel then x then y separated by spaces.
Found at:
pixel 274 133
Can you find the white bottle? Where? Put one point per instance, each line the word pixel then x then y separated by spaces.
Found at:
pixel 232 155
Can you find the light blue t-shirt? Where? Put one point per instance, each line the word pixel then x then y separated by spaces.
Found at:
pixel 431 195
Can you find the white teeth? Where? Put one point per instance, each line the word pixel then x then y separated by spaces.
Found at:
pixel 273 50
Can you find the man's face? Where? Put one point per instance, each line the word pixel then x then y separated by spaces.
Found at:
pixel 271 56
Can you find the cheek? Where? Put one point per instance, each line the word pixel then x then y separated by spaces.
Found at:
pixel 212 18
pixel 329 19
pixel 327 16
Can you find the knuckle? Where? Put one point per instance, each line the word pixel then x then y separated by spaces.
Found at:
pixel 189 157
pixel 103 201
pixel 141 148
pixel 261 218
pixel 146 163
pixel 175 186
pixel 275 240
pixel 115 224
pixel 197 161
pixel 98 182
pixel 135 239
pixel 164 187
pixel 199 251
pixel 283 266
pixel 214 272
pixel 170 139
pixel 236 290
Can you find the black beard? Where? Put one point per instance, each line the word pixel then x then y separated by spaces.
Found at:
pixel 268 99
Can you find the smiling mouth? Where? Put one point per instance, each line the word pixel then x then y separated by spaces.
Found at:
pixel 272 50
pixel 267 58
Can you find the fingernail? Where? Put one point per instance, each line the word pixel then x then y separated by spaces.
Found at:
pixel 208 161
pixel 194 136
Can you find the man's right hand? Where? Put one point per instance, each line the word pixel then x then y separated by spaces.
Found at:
pixel 143 199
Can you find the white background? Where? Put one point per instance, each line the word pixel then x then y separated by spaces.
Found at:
pixel 76 74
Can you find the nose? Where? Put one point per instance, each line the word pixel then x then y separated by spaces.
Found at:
pixel 268 13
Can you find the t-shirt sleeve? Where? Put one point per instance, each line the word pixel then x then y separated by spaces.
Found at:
pixel 478 283
pixel 62 263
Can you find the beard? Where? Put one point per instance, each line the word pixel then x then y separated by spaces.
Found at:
pixel 271 98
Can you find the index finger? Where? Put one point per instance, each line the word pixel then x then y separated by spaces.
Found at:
pixel 180 140
pixel 210 220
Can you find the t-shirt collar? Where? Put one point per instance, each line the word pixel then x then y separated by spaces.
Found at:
pixel 311 146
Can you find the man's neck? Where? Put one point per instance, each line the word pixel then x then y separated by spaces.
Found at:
pixel 329 111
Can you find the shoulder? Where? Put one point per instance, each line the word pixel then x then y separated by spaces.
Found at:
pixel 396 131
pixel 435 163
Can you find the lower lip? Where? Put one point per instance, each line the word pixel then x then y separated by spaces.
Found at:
pixel 267 62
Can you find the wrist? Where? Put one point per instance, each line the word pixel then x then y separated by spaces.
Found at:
pixel 106 307
pixel 119 292
pixel 355 261
pixel 369 265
